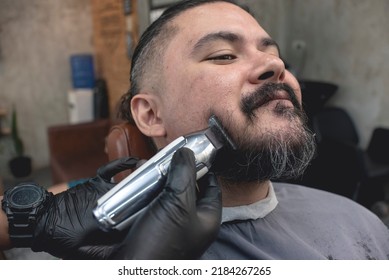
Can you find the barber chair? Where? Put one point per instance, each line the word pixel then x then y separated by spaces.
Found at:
pixel 341 166
pixel 125 140
pixel 315 95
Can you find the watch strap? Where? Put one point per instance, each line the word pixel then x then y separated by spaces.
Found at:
pixel 22 223
pixel 21 227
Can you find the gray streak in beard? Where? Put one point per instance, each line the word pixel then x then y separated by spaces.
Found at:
pixel 275 156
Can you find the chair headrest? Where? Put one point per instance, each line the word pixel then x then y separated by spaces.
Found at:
pixel 126 140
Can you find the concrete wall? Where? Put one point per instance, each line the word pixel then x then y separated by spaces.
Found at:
pixel 37 38
pixel 273 16
pixel 346 43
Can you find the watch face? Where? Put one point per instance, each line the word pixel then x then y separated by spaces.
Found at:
pixel 25 196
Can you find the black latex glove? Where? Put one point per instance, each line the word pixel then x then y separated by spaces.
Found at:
pixel 180 223
pixel 67 228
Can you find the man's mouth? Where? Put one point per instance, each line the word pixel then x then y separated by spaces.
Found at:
pixel 277 96
pixel 266 94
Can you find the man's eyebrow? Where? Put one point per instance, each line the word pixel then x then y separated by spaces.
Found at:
pixel 230 37
pixel 212 37
pixel 268 42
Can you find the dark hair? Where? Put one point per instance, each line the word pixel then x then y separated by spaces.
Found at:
pixel 151 44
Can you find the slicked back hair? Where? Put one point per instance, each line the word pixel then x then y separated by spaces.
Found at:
pixel 146 59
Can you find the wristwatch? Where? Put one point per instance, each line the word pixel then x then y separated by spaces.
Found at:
pixel 22 205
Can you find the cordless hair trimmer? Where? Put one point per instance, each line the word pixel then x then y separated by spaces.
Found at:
pixel 119 206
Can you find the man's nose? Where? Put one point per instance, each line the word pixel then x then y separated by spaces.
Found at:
pixel 268 68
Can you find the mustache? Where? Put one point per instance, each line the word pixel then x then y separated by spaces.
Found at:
pixel 264 94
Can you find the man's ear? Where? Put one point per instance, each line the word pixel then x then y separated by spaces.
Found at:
pixel 145 111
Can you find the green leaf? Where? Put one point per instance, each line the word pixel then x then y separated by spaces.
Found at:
pixel 18 143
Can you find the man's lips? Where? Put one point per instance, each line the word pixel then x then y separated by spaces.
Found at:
pixel 267 93
pixel 279 95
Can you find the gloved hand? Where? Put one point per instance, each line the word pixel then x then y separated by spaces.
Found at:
pixel 67 228
pixel 177 224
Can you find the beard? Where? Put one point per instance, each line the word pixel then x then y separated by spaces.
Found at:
pixel 275 154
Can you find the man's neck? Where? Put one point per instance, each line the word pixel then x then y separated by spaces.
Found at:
pixel 238 194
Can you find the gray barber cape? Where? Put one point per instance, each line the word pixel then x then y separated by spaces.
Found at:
pixel 296 222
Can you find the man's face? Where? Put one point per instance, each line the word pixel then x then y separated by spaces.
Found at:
pixel 216 60
pixel 218 63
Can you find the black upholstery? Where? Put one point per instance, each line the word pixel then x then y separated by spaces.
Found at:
pixel 378 148
pixel 341 166
pixel 336 124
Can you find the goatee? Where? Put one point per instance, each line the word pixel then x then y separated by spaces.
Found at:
pixel 276 155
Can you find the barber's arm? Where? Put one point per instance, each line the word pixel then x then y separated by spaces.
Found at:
pixel 57 224
pixel 179 224
pixel 67 229
pixel 5 242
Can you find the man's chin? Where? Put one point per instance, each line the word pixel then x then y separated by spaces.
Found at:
pixel 276 155
pixel 245 167
pixel 232 166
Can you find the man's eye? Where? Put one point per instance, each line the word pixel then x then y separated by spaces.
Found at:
pixel 222 57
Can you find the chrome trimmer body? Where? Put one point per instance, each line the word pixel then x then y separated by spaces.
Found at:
pixel 119 206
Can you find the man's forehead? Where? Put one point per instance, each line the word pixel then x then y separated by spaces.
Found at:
pixel 215 17
pixel 212 17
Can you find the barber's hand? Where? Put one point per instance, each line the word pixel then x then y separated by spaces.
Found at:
pixel 67 228
pixel 177 224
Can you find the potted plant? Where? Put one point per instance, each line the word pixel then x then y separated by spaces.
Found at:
pixel 20 165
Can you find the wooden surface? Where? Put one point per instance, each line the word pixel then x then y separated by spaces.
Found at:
pixel 110 34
